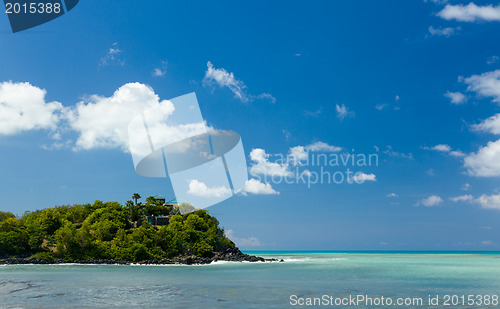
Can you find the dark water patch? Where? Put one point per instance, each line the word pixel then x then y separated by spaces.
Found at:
pixel 11 287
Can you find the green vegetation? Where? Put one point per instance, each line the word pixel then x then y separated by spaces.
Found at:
pixel 106 231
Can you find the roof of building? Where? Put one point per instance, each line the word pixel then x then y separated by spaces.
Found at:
pixel 175 201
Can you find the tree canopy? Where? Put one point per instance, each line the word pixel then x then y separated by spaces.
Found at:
pixel 106 231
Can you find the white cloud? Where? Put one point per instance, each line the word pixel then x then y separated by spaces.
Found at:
pixel 492 59
pixel 343 112
pixel 158 72
pixel 242 242
pixel 486 84
pixel 113 56
pixel 298 153
pixel 489 201
pixel 470 12
pixel 446 32
pixel 437 1
pixel 446 149
pixel 161 70
pixel 23 108
pixel 486 242
pixel 392 195
pixel 321 146
pixel 431 201
pixel 262 165
pixel 264 96
pixel 485 162
pixel 254 186
pixel 57 145
pixel 457 153
pixel 485 201
pixel 396 154
pixel 301 153
pixel 103 121
pixel 462 198
pixel 440 148
pixel 199 188
pixel 456 97
pixel 466 187
pixel 223 78
pixel 381 106
pixel 490 125
pixel 360 177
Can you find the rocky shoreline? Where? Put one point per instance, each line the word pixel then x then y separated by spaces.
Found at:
pixel 229 255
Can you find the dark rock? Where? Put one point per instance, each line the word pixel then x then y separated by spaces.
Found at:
pixel 230 254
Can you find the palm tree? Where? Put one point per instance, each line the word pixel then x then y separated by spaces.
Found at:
pixel 135 197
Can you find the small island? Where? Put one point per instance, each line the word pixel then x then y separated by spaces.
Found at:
pixel 154 232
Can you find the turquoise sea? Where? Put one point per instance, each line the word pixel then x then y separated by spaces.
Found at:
pixel 303 277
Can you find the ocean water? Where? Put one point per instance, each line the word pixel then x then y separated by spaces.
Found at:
pixel 303 277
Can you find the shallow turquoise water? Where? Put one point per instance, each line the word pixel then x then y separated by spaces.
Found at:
pixel 253 285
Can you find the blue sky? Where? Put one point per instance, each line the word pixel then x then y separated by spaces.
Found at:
pixel 414 82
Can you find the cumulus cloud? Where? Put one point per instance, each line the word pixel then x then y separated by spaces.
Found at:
pixel 343 112
pixel 199 188
pixel 254 186
pixel 485 162
pixel 444 148
pixel 470 12
pixel 321 146
pixel 456 98
pixel 262 165
pixel 489 201
pixel 462 198
pixel 242 242
pixel 457 153
pixel 485 201
pixel 443 31
pixel 23 108
pixel 490 125
pixel 440 148
pixel 362 177
pixel 161 70
pixel 102 122
pixel 223 78
pixel 430 201
pixel 301 153
pixel 298 153
pixel 392 195
pixel 486 84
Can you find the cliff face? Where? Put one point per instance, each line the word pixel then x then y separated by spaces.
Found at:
pixel 102 233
